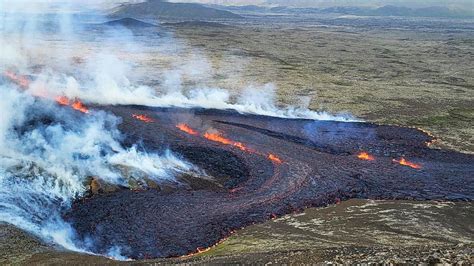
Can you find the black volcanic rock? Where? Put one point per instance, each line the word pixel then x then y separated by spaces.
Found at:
pixel 319 166
pixel 159 9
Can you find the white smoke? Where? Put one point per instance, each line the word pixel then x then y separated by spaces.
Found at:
pixel 49 154
pixel 110 85
pixel 45 165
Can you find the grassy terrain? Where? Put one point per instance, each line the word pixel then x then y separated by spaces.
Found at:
pixel 353 231
pixel 411 78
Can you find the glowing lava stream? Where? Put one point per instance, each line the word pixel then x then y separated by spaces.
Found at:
pixel 185 128
pixel 404 162
pixel 217 137
pixel 365 156
pixel 79 106
pixel 76 104
pixel 21 81
pixel 24 83
pixel 62 100
pixel 275 159
pixel 143 118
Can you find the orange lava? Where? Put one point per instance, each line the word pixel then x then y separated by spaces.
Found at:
pixel 21 81
pixel 76 104
pixel 62 100
pixel 365 156
pixel 404 162
pixel 274 158
pixel 143 118
pixel 185 128
pixel 79 106
pixel 216 137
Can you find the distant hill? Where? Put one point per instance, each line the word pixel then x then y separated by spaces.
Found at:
pixel 159 9
pixel 400 11
pixel 434 11
pixel 388 10
pixel 243 8
pixel 129 23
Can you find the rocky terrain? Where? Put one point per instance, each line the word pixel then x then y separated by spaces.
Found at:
pixel 383 70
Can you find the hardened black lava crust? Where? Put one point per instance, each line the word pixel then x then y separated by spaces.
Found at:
pixel 319 166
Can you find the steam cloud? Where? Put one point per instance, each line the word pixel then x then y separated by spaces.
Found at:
pixel 48 154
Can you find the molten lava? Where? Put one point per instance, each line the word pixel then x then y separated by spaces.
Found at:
pixel 62 100
pixel 79 106
pixel 217 137
pixel 21 81
pixel 404 162
pixel 143 118
pixel 185 128
pixel 365 156
pixel 24 82
pixel 76 105
pixel 275 158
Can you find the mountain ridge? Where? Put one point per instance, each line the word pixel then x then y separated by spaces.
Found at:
pixel 159 9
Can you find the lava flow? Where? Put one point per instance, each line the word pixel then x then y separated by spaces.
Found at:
pixel 76 104
pixel 365 156
pixel 315 172
pixel 24 83
pixel 79 106
pixel 185 128
pixel 143 118
pixel 21 81
pixel 275 159
pixel 217 137
pixel 62 100
pixel 404 162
